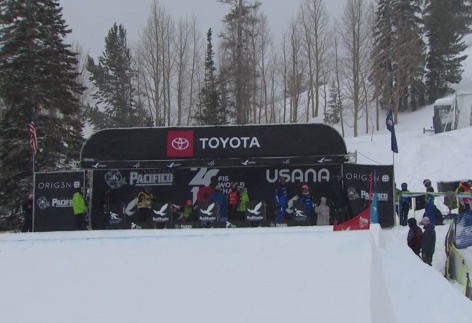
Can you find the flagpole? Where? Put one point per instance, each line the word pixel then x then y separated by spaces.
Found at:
pixel 34 195
pixel 394 193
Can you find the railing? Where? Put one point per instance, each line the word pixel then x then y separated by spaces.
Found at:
pixel 456 265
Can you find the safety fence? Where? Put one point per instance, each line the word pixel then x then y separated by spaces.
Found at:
pixel 456 266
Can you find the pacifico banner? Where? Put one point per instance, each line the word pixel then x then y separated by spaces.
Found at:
pixel 115 191
pixel 53 200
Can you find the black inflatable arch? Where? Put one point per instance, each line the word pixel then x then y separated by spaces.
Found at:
pixel 222 146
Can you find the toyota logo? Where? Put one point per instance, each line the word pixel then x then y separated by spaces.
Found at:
pixel 180 144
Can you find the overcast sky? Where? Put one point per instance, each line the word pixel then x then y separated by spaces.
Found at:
pixel 90 20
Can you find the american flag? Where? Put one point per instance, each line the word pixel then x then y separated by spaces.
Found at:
pixel 33 142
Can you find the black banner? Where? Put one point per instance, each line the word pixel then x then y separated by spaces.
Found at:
pixel 53 200
pixel 115 191
pixel 357 184
pixel 219 145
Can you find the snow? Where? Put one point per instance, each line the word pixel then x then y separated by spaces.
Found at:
pixel 298 274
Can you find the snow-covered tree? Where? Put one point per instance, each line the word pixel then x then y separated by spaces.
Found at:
pixel 38 78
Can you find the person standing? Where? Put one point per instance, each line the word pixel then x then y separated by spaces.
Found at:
pixel 465 202
pixel 339 198
pixel 144 204
pixel 186 211
pixel 233 202
pixel 79 208
pixel 428 243
pixel 323 212
pixel 414 238
pixel 429 201
pixel 308 202
pixel 405 204
pixel 221 202
pixel 281 200
pixel 243 199
pixel 27 208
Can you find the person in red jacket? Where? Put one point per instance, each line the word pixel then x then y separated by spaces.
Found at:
pixel 233 202
pixel 415 236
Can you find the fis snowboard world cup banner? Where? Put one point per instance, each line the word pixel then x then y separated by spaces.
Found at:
pixel 115 192
pixel 357 181
pixel 53 200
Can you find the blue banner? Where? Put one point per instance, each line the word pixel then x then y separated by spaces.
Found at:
pixel 463 230
pixel 391 127
pixel 374 214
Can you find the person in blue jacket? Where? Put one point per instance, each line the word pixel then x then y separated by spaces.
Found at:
pixel 405 205
pixel 281 199
pixel 307 200
pixel 429 201
pixel 221 201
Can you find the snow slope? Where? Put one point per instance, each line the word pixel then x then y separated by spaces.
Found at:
pixel 243 275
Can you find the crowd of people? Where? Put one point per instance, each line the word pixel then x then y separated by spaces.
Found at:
pixel 423 242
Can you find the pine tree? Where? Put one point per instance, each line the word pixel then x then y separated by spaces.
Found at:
pixel 398 55
pixel 115 79
pixel 334 108
pixel 235 41
pixel 210 107
pixel 446 23
pixel 382 52
pixel 37 77
pixel 412 61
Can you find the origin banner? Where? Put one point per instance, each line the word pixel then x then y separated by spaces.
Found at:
pixel 357 181
pixel 53 200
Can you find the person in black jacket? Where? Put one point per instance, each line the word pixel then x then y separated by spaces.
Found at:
pixel 414 236
pixel 428 243
pixel 28 214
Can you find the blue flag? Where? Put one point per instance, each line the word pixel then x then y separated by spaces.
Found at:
pixel 374 214
pixel 391 128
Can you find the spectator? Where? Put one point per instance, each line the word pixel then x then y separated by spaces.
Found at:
pixel 186 211
pixel 28 214
pixel 429 201
pixel 465 202
pixel 233 202
pixel 339 198
pixel 428 243
pixel 281 200
pixel 144 203
pixel 397 201
pixel 323 212
pixel 414 236
pixel 221 201
pixel 243 199
pixel 79 208
pixel 405 204
pixel 307 199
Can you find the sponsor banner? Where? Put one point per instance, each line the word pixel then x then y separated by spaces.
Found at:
pixel 53 200
pixel 360 222
pixel 357 185
pixel 463 230
pixel 216 162
pixel 219 142
pixel 115 191
pixel 299 212
pixel 255 211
